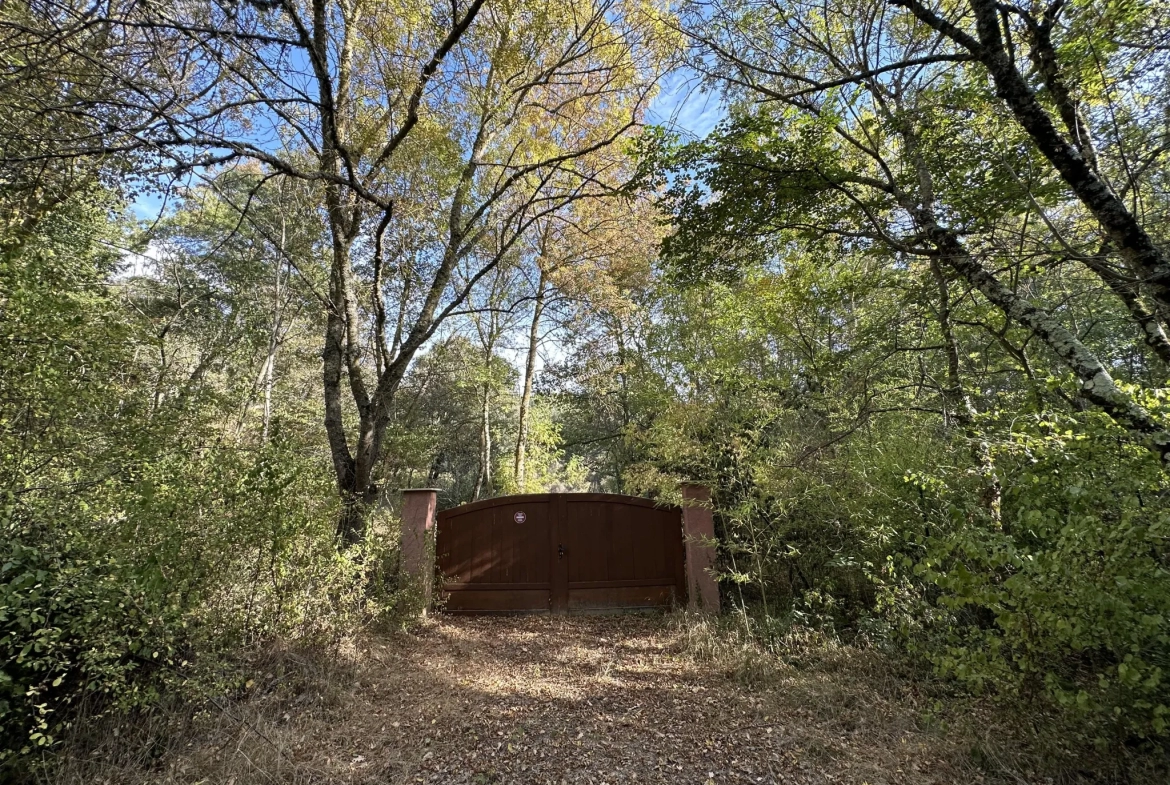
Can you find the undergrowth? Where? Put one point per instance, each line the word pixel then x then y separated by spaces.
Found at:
pixel 998 740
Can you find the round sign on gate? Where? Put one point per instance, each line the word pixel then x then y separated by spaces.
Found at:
pixel 520 517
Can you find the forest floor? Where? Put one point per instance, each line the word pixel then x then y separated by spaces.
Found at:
pixel 597 700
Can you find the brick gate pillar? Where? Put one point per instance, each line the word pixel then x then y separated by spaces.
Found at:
pixel 418 540
pixel 699 538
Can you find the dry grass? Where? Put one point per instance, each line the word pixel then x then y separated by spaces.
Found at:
pixel 629 699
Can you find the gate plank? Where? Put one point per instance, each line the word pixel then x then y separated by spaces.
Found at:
pixel 628 598
pixel 493 601
pixel 558 566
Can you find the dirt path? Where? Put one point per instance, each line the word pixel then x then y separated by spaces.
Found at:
pixel 564 700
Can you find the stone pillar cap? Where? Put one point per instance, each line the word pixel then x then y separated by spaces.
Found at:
pixel 420 490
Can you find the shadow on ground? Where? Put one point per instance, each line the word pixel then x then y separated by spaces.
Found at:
pixel 559 700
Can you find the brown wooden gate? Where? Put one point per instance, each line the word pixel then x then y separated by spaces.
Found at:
pixel 560 552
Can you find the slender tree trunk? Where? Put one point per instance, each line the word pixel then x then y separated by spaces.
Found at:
pixel 483 479
pixel 436 469
pixel 520 467
pixel 267 414
pixel 488 336
pixel 1127 291
pixel 275 338
pixel 960 402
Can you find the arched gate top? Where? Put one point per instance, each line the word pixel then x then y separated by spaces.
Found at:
pixel 532 498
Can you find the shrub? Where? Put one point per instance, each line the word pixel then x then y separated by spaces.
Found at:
pixel 1071 597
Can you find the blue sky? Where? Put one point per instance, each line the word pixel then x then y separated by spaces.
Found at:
pixel 681 106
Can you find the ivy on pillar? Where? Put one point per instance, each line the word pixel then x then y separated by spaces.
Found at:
pixel 699 539
pixel 418 540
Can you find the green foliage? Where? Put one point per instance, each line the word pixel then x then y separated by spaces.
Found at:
pixel 73 624
pixel 1071 598
pixel 886 535
pixel 548 467
pixel 755 388
pixel 142 553
pixel 433 439
pixel 752 176
pixel 844 504
pixel 160 577
pixel 893 457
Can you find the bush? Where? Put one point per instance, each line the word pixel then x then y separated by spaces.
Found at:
pixel 73 623
pixel 1071 598
pixel 1062 602
pixel 203 558
pixel 142 552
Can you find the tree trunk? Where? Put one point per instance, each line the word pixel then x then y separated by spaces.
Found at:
pixel 1127 291
pixel 332 354
pixel 275 339
pixel 348 208
pixel 961 405
pixel 521 469
pixel 436 469
pixel 269 377
pixel 483 479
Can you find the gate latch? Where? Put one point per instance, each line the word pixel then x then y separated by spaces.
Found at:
pixel 560 551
